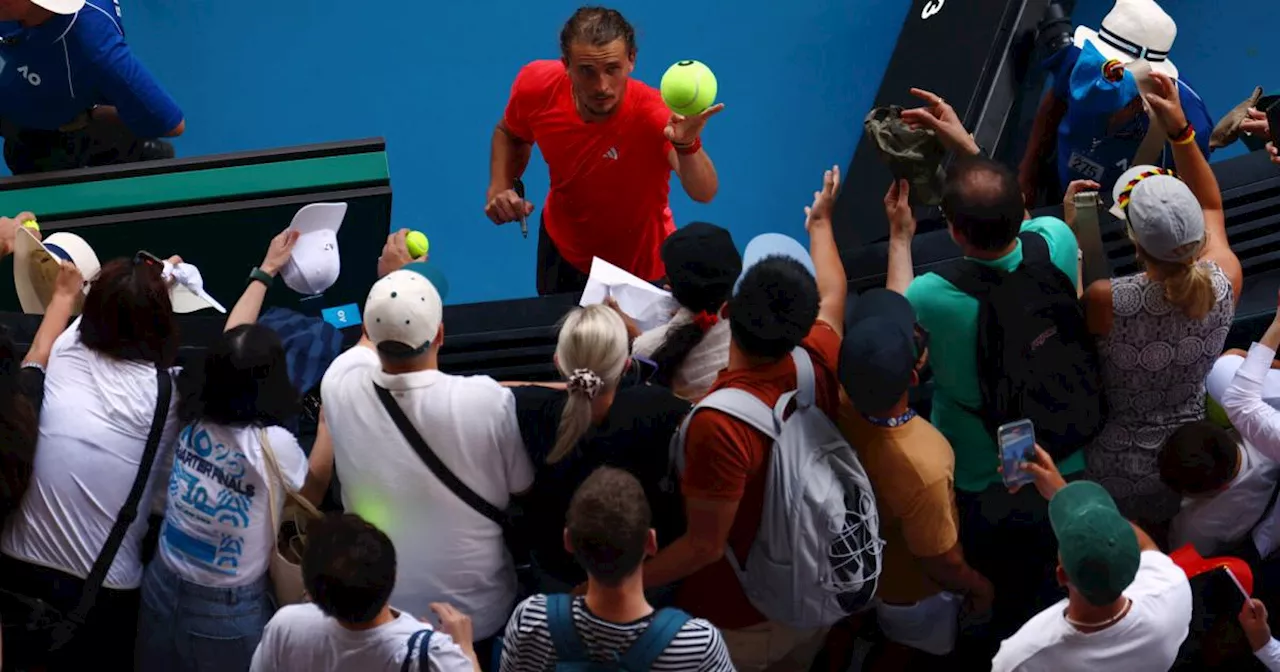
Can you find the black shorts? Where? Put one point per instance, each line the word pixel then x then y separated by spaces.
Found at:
pixel 555 275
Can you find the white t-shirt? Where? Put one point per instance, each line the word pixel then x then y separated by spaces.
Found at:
pixel 301 637
pixel 1211 523
pixel 93 430
pixel 699 369
pixel 217 529
pixel 445 550
pixel 1145 640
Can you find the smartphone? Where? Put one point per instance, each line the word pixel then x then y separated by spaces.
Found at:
pixel 1017 441
pixel 1273 122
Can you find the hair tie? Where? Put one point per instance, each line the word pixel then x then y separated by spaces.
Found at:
pixel 586 381
pixel 705 320
pixel 1113 70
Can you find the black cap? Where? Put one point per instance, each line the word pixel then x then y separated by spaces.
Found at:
pixel 878 354
pixel 702 264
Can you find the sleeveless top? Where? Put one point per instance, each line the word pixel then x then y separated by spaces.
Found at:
pixel 1154 364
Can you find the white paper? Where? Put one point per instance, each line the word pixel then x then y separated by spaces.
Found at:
pixel 647 305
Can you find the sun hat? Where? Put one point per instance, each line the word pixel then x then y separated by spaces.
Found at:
pixel 315 263
pixel 60 6
pixel 36 263
pixel 1163 214
pixel 1134 30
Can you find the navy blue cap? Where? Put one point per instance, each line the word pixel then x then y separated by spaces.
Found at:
pixel 878 354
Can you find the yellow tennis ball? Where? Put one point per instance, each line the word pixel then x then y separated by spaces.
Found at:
pixel 688 87
pixel 31 224
pixel 417 243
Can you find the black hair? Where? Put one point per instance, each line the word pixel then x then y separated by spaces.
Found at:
pixel 597 26
pixel 981 200
pixel 608 523
pixel 348 567
pixel 774 309
pixel 243 380
pixel 1198 458
pixel 19 427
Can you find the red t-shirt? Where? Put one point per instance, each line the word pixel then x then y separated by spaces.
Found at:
pixel 727 460
pixel 609 180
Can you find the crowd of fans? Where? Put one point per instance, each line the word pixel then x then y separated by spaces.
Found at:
pixel 623 516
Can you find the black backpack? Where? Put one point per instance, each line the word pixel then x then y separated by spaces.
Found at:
pixel 1036 357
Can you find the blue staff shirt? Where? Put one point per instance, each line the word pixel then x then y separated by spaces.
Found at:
pixel 52 72
pixel 1088 149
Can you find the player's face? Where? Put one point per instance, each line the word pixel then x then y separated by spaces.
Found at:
pixel 599 75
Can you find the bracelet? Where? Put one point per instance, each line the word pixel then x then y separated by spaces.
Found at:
pixel 1187 140
pixel 691 148
pixel 1180 138
pixel 261 276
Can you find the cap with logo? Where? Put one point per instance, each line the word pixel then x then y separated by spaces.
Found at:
pixel 1163 214
pixel 402 314
pixel 315 263
pixel 1096 545
pixel 878 353
pixel 36 264
pixel 768 245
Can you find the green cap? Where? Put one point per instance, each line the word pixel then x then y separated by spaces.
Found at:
pixel 1097 546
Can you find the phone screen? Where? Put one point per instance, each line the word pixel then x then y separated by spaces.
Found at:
pixel 1017 445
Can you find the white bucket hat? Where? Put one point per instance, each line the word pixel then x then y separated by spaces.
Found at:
pixel 315 263
pixel 36 263
pixel 1134 30
pixel 60 6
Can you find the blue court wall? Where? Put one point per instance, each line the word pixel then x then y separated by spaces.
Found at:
pixel 432 78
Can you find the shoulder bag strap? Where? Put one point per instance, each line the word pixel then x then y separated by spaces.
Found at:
pixel 437 467
pixel 422 655
pixel 1035 249
pixel 968 276
pixel 124 519
pixel 273 475
pixel 662 630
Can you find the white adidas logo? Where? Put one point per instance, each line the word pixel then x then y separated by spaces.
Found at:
pixel 612 153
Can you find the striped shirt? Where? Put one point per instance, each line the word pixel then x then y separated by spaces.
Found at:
pixel 528 646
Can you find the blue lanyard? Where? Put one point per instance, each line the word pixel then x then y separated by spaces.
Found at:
pixel 891 422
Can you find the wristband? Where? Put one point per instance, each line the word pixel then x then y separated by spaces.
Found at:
pixel 1191 138
pixel 1180 138
pixel 691 148
pixel 261 276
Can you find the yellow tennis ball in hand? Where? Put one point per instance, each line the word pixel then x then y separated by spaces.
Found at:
pixel 31 224
pixel 417 243
pixel 688 88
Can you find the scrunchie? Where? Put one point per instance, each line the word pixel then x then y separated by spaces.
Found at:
pixel 586 381
pixel 705 320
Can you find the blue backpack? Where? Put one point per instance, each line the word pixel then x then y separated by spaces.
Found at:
pixel 422 644
pixel 572 656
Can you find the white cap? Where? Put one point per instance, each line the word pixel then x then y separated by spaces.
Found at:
pixel 402 314
pixel 1164 216
pixel 315 263
pixel 187 294
pixel 60 6
pixel 36 263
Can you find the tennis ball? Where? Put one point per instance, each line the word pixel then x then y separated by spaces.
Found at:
pixel 417 243
pixel 31 224
pixel 688 88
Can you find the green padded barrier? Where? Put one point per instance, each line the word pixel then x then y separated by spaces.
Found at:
pixel 196 186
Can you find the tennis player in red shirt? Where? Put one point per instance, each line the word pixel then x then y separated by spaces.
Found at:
pixel 610 144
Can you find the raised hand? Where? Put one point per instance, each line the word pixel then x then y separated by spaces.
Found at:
pixel 682 130
pixel 70 282
pixel 823 201
pixel 938 115
pixel 279 251
pixel 395 253
pixel 1069 200
pixel 897 208
pixel 1165 103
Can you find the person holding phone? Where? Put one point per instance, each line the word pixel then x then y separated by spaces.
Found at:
pixel 610 144
pixel 1128 606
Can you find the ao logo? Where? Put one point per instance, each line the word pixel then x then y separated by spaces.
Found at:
pixel 931 8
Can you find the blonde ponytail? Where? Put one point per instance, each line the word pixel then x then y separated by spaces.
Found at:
pixel 591 353
pixel 1190 288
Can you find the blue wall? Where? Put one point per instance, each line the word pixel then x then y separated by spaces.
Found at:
pixel 432 77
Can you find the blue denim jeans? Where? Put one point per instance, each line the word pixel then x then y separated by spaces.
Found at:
pixel 185 627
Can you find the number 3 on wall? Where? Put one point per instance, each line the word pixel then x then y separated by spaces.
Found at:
pixel 931 8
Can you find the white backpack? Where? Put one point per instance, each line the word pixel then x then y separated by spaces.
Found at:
pixel 816 557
